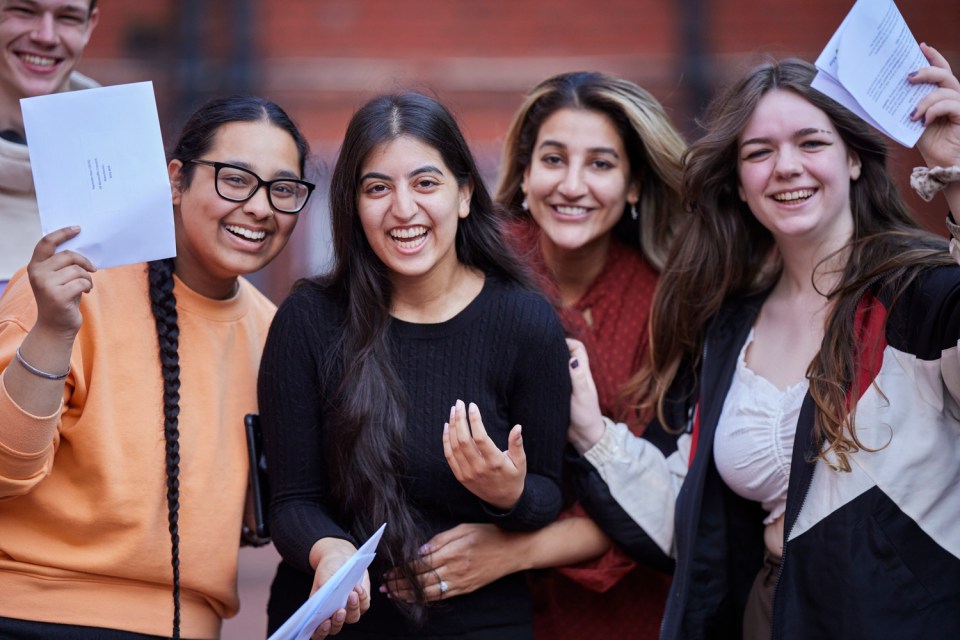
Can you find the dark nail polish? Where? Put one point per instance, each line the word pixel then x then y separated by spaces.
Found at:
pixel 574 363
pixel 911 74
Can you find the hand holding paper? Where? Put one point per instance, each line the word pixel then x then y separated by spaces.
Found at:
pixel 331 596
pixel 98 163
pixel 865 67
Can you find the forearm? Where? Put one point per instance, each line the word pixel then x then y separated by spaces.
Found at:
pixel 32 392
pixel 564 542
pixel 952 194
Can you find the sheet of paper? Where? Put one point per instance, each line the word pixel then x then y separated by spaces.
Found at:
pixel 865 64
pixel 98 162
pixel 331 596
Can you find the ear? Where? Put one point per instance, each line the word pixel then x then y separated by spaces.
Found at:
pixel 466 195
pixel 855 165
pixel 633 194
pixel 173 172
pixel 92 21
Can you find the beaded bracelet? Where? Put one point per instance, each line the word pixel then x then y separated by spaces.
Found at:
pixel 37 372
pixel 926 181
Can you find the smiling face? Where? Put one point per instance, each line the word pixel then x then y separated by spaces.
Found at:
pixel 410 205
pixel 42 41
pixel 578 182
pixel 217 239
pixel 795 171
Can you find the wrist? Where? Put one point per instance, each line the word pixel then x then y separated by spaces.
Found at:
pixel 584 437
pixel 325 548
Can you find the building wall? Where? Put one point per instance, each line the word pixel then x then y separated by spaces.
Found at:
pixel 321 59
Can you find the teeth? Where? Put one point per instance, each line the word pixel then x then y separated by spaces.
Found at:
pixel 256 236
pixel 39 61
pixel 791 196
pixel 572 211
pixel 407 232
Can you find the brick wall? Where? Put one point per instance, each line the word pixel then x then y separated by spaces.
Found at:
pixel 320 59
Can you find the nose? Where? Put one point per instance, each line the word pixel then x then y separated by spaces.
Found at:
pixel 572 186
pixel 45 29
pixel 405 204
pixel 258 205
pixel 788 162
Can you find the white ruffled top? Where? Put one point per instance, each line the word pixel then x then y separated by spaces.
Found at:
pixel 754 440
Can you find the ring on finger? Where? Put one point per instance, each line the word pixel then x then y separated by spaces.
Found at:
pixel 443 586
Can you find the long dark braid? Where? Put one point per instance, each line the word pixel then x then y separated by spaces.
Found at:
pixel 196 138
pixel 163 303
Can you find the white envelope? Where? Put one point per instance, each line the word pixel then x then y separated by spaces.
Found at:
pixel 331 596
pixel 98 162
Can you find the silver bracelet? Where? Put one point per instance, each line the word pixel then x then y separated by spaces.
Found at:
pixel 926 181
pixel 43 374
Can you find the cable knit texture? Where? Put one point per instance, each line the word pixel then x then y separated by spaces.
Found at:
pixel 505 352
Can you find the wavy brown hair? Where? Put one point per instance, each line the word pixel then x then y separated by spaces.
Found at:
pixel 725 253
pixel 653 147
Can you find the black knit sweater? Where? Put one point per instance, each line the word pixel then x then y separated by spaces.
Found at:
pixel 505 352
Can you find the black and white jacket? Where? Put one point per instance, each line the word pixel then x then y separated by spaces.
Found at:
pixel 870 553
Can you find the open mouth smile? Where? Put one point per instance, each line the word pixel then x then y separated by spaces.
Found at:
pixel 571 211
pixel 409 237
pixel 35 60
pixel 246 234
pixel 794 197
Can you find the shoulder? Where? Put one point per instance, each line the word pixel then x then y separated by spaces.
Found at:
pixel 256 302
pixel 524 317
pixel 78 81
pixel 523 303
pixel 311 305
pixel 925 319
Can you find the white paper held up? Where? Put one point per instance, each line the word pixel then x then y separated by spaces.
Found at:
pixel 98 162
pixel 864 67
pixel 331 596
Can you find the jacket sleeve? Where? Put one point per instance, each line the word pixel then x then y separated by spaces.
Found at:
pixel 629 487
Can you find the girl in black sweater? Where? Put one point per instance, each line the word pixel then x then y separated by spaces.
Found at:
pixel 395 389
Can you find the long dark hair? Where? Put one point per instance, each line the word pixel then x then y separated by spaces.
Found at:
pixel 367 423
pixel 724 252
pixel 653 147
pixel 196 139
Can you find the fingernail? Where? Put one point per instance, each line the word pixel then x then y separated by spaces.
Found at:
pixel 424 550
pixel 913 113
pixel 574 363
pixel 911 74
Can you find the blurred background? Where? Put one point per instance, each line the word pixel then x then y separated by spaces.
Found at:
pixel 321 59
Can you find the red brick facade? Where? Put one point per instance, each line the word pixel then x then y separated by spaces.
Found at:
pixel 322 58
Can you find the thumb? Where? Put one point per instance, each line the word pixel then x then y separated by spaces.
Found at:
pixel 515 449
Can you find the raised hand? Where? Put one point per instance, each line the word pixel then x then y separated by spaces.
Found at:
pixel 939 110
pixel 58 280
pixel 494 476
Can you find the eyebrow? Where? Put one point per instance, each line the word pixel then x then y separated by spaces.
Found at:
pixel 605 150
pixel 373 175
pixel 282 173
pixel 799 133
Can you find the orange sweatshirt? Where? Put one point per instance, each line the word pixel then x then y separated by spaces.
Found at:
pixel 83 515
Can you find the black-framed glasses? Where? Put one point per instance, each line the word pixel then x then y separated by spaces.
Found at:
pixel 286 195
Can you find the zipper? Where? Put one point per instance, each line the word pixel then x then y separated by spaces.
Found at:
pixel 775 632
